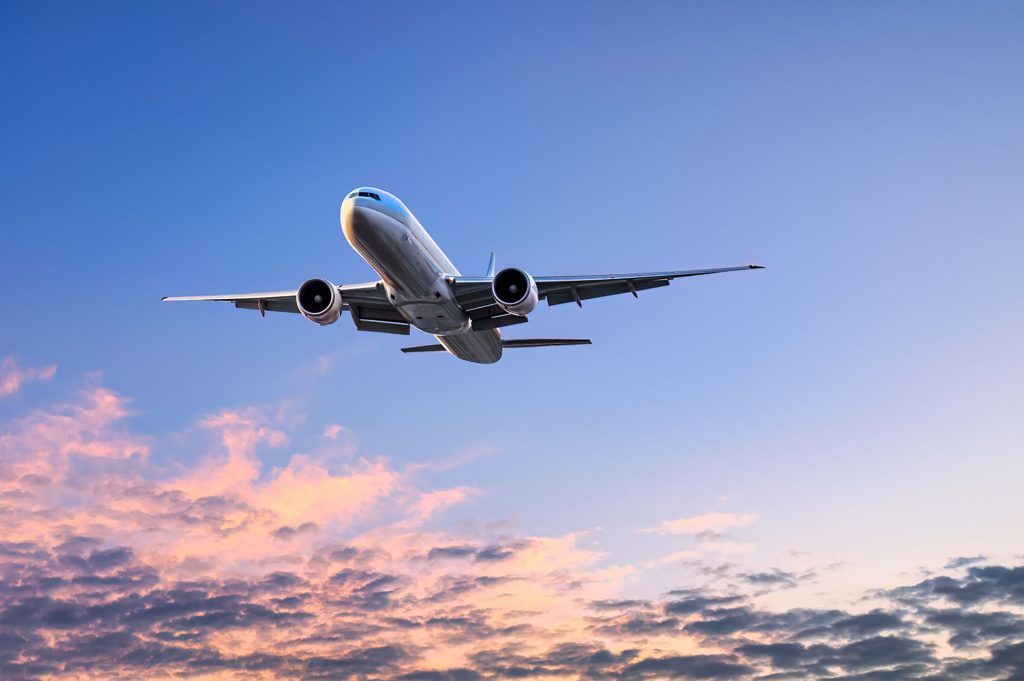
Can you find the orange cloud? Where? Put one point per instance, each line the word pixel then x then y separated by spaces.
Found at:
pixel 328 567
pixel 317 558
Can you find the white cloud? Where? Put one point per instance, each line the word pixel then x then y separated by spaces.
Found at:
pixel 677 557
pixel 706 522
pixel 729 546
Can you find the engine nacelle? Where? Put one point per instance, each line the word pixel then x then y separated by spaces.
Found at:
pixel 319 301
pixel 515 291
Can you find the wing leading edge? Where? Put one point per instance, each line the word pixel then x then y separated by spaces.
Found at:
pixel 475 292
pixel 369 298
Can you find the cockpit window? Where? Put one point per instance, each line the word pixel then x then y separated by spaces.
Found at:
pixel 368 195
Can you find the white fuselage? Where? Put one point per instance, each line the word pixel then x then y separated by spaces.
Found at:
pixel 414 271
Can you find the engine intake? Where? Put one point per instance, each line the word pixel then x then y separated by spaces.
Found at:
pixel 515 291
pixel 319 301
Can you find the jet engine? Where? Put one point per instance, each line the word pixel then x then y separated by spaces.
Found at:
pixel 515 291
pixel 319 301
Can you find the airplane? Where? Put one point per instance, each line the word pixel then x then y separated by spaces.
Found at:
pixel 419 286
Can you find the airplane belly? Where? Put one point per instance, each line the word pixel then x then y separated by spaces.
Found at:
pixel 482 347
pixel 416 286
pixel 387 246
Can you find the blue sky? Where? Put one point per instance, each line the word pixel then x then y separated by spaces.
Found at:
pixel 861 396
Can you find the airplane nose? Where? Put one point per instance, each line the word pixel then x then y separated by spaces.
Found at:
pixel 358 223
pixel 349 217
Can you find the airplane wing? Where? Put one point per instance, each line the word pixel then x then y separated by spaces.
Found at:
pixel 474 293
pixel 268 301
pixel 367 303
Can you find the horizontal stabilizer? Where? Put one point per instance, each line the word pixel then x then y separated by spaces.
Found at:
pixel 543 342
pixel 519 343
pixel 425 348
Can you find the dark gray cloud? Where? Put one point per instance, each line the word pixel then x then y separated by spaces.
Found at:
pixel 455 586
pixel 444 552
pixel 866 624
pixel 446 675
pixel 690 667
pixel 620 604
pixel 724 622
pixel 493 552
pixel 695 601
pixel 981 585
pixel 964 561
pixel 770 580
pixel 97 599
pixel 286 532
pixel 782 655
pixel 968 629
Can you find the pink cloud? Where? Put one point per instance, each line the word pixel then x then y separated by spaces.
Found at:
pixel 13 375
pixel 333 431
pixel 706 522
pixel 326 567
pixel 324 544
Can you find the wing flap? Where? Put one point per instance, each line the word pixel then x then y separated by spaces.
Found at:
pixel 272 305
pixel 372 313
pixel 559 297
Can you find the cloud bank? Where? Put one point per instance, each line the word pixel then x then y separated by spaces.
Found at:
pixel 334 567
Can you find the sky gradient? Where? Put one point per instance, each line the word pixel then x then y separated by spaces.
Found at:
pixel 813 469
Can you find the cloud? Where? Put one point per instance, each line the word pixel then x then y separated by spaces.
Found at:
pixel 494 552
pixel 981 585
pixel 963 561
pixel 707 522
pixel 342 568
pixel 675 557
pixel 286 532
pixel 690 667
pixel 729 546
pixel 333 431
pixel 773 579
pixel 13 375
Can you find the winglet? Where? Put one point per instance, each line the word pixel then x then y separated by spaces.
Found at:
pixel 490 266
pixel 755 267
